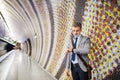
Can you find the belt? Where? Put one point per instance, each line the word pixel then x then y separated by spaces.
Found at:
pixel 75 65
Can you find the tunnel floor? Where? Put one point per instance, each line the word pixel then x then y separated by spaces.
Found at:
pixel 18 66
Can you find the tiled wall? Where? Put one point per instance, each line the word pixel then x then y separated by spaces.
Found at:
pixel 63 12
pixel 101 22
pixel 56 22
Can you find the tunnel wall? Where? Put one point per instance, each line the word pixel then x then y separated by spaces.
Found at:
pixel 101 22
pixel 56 21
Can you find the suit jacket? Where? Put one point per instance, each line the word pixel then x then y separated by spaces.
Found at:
pixel 82 48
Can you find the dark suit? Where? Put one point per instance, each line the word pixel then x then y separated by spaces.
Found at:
pixel 82 48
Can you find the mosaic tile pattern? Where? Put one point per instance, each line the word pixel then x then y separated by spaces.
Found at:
pixel 64 20
pixel 101 23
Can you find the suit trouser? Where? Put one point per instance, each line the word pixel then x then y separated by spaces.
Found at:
pixel 78 73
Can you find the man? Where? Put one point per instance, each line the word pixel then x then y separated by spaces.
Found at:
pixel 79 47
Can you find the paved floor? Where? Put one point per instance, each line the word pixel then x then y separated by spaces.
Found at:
pixel 18 66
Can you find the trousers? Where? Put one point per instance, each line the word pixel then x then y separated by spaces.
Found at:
pixel 78 73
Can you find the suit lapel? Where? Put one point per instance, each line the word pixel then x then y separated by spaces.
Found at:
pixel 79 40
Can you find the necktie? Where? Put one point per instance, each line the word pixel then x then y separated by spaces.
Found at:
pixel 73 54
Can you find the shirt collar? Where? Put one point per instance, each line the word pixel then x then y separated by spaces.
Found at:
pixel 77 36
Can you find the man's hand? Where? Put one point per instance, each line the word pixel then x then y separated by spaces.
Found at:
pixel 67 72
pixel 69 50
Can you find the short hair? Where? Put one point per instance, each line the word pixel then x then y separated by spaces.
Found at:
pixel 77 24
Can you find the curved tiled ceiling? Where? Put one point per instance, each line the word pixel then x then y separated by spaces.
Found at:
pixel 27 19
pixel 42 26
pixel 23 18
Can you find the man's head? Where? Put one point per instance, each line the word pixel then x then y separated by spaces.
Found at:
pixel 76 29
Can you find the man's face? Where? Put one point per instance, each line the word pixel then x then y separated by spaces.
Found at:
pixel 76 31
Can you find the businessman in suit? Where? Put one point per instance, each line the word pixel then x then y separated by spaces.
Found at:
pixel 82 47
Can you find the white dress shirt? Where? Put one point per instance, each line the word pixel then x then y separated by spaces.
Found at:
pixel 76 60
